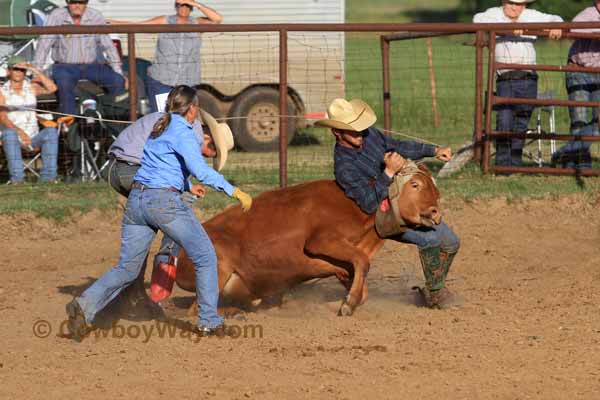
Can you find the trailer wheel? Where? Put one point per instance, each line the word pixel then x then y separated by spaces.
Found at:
pixel 256 119
pixel 209 103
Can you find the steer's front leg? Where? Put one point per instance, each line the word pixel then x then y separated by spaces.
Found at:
pixel 337 248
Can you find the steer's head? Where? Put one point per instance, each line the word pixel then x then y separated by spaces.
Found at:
pixel 418 199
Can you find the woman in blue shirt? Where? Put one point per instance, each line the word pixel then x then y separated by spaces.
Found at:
pixel 170 155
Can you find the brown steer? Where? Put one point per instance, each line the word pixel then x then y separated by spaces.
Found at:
pixel 296 234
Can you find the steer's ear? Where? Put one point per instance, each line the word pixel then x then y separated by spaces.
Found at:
pixel 423 167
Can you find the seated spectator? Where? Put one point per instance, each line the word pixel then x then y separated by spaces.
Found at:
pixel 582 86
pixel 19 128
pixel 177 59
pixel 79 57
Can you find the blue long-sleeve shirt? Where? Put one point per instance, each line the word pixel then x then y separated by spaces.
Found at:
pixel 360 172
pixel 129 145
pixel 169 159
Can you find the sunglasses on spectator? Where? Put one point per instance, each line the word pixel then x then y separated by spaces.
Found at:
pixel 177 5
pixel 77 1
pixel 23 70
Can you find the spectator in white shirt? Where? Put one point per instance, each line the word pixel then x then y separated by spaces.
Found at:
pixel 515 49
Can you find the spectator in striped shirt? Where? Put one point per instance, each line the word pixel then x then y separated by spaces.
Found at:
pixel 582 86
pixel 76 57
pixel 365 162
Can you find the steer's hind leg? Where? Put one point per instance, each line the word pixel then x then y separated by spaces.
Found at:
pixel 336 248
pixel 317 268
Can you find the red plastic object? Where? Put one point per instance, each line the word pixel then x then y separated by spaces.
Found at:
pixel 385 205
pixel 163 277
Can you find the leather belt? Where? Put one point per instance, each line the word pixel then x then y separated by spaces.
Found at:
pixel 142 187
pixel 517 75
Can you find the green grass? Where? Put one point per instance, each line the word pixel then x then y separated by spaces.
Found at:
pixel 61 202
pixel 395 11
pixel 56 201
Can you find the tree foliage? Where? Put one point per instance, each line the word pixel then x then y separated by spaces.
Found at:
pixel 567 9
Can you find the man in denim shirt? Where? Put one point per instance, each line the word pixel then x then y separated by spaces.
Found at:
pixel 365 162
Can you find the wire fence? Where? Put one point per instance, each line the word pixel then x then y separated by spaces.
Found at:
pixel 432 90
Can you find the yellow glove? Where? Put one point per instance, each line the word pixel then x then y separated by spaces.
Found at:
pixel 244 198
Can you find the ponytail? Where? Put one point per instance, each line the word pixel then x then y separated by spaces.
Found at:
pixel 160 126
pixel 178 102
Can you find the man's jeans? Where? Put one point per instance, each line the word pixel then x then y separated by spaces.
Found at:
pixel 437 236
pixel 120 178
pixel 513 118
pixel 154 87
pixel 582 86
pixel 47 140
pixel 146 212
pixel 66 77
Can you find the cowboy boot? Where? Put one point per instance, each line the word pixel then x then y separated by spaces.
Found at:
pixel 446 261
pixel 436 265
pixel 432 269
pixel 444 298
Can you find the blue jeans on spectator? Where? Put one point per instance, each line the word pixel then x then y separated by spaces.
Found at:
pixel 46 140
pixel 582 86
pixel 146 212
pixel 437 236
pixel 66 77
pixel 154 87
pixel 513 118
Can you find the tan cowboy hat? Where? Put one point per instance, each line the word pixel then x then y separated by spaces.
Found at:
pixel 354 115
pixel 222 137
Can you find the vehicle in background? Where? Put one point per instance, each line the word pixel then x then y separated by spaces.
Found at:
pixel 240 71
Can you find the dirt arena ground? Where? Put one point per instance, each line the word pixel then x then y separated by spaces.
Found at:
pixel 530 328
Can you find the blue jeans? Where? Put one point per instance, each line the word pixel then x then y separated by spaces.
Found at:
pixel 47 140
pixel 437 236
pixel 513 118
pixel 120 177
pixel 146 212
pixel 154 87
pixel 582 86
pixel 66 77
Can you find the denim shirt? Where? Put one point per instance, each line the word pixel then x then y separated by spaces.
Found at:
pixel 177 59
pixel 129 145
pixel 360 172
pixel 169 159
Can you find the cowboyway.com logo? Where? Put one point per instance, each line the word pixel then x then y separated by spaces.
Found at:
pixel 43 329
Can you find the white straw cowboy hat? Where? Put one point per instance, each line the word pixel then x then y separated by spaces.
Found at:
pixel 354 115
pixel 222 137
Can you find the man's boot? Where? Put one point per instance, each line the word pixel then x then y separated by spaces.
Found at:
pixel 444 298
pixel 432 269
pixel 436 265
pixel 136 305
